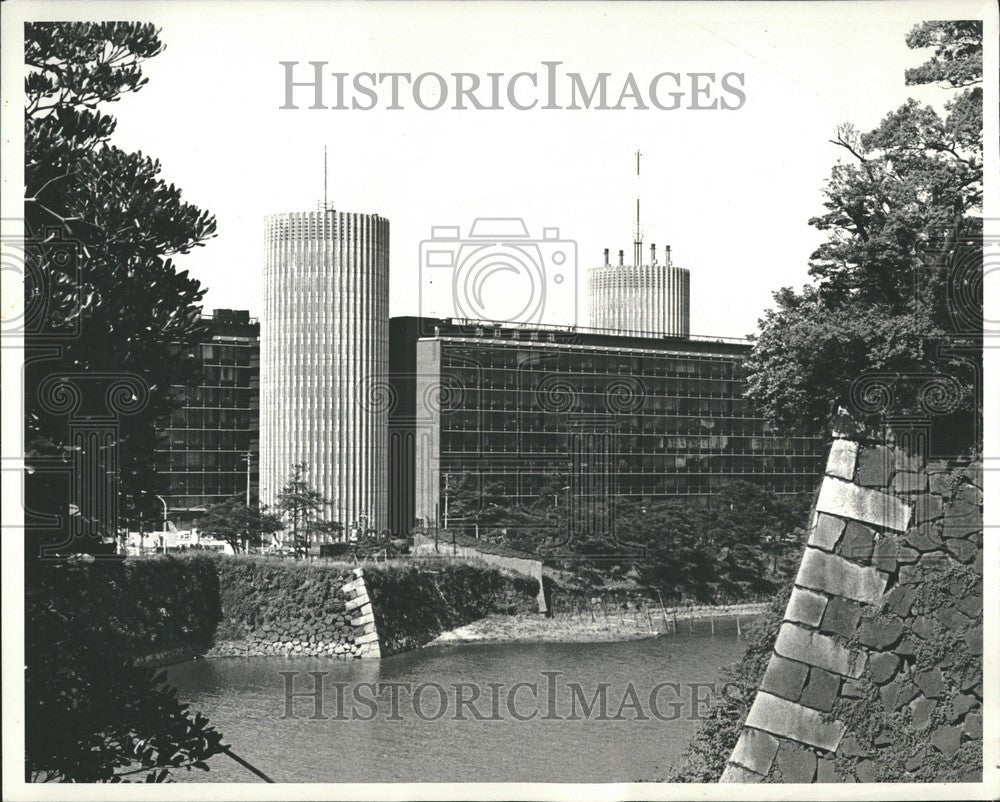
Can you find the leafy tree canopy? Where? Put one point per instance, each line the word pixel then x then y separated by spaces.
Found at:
pixel 119 306
pixel 900 273
pixel 242 527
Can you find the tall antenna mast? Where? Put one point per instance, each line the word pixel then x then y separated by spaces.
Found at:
pixel 325 206
pixel 638 228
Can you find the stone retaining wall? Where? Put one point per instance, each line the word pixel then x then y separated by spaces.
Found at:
pixel 345 627
pixel 876 672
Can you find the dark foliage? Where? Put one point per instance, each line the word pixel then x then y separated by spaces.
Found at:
pixel 92 714
pixel 734 549
pixel 101 226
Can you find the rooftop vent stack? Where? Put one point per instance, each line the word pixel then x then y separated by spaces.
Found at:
pixel 621 258
pixel 652 254
pixel 607 257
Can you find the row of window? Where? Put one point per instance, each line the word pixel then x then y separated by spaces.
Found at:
pixel 232 397
pixel 221 460
pixel 566 361
pixel 212 439
pixel 218 484
pixel 201 418
pixel 601 395
pixel 214 354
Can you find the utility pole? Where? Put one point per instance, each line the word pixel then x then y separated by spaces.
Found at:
pixel 447 476
pixel 248 455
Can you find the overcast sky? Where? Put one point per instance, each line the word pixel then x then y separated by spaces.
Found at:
pixel 730 191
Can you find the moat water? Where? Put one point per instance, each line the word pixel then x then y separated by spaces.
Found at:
pixel 515 712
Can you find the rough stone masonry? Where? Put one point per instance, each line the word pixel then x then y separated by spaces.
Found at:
pixel 876 673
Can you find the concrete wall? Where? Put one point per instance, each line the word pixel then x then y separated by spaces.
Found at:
pixel 876 672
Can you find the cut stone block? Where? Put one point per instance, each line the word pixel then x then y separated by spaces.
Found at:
pixel 837 576
pixel 881 632
pixel 353 585
pixel 947 740
pixel 925 537
pixel 928 508
pixel 737 774
pixel 865 772
pixel 806 607
pixel 755 750
pixel 857 543
pixel 951 617
pixel 963 550
pixel 847 500
pixel 930 682
pixel 843 456
pixel 354 604
pixel 841 617
pixel 821 690
pixel 827 531
pixel 961 519
pixel 784 678
pixel 905 482
pixel 961 705
pixel 790 720
pixel 883 666
pixel 874 467
pixel 900 600
pixel 826 772
pixel 800 644
pixel 797 765
pixel 885 553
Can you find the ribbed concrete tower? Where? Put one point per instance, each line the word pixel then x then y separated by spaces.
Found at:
pixel 651 298
pixel 324 344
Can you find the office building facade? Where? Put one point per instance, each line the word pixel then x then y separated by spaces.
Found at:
pixel 609 415
pixel 324 339
pixel 210 450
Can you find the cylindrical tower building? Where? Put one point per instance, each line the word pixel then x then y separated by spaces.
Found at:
pixel 652 298
pixel 324 343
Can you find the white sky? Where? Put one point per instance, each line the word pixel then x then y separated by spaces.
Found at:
pixel 731 191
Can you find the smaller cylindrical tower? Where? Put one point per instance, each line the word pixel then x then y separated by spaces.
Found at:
pixel 651 298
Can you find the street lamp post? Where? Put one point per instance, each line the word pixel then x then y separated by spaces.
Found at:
pixel 163 537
